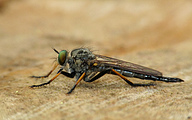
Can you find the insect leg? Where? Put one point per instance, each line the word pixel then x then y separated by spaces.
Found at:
pixel 129 82
pixel 55 65
pixel 46 82
pixel 76 83
pixel 97 76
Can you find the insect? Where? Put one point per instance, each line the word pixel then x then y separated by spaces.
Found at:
pixel 84 65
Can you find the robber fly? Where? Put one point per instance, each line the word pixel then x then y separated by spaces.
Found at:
pixel 84 65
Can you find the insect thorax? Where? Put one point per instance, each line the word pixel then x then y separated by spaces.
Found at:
pixel 80 59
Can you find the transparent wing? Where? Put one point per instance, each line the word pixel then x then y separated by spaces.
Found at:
pixel 123 65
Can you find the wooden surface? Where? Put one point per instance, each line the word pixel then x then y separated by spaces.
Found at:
pixel 153 34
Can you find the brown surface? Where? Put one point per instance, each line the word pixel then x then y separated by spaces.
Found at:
pixel 154 34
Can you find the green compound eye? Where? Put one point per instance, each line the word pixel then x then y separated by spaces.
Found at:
pixel 62 57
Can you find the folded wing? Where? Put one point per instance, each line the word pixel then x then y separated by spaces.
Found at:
pixel 128 66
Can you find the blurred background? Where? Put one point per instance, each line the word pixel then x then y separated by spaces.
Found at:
pixel 30 28
pixel 136 28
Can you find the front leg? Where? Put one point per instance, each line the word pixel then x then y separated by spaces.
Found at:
pixel 44 76
pixel 43 84
pixel 71 75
